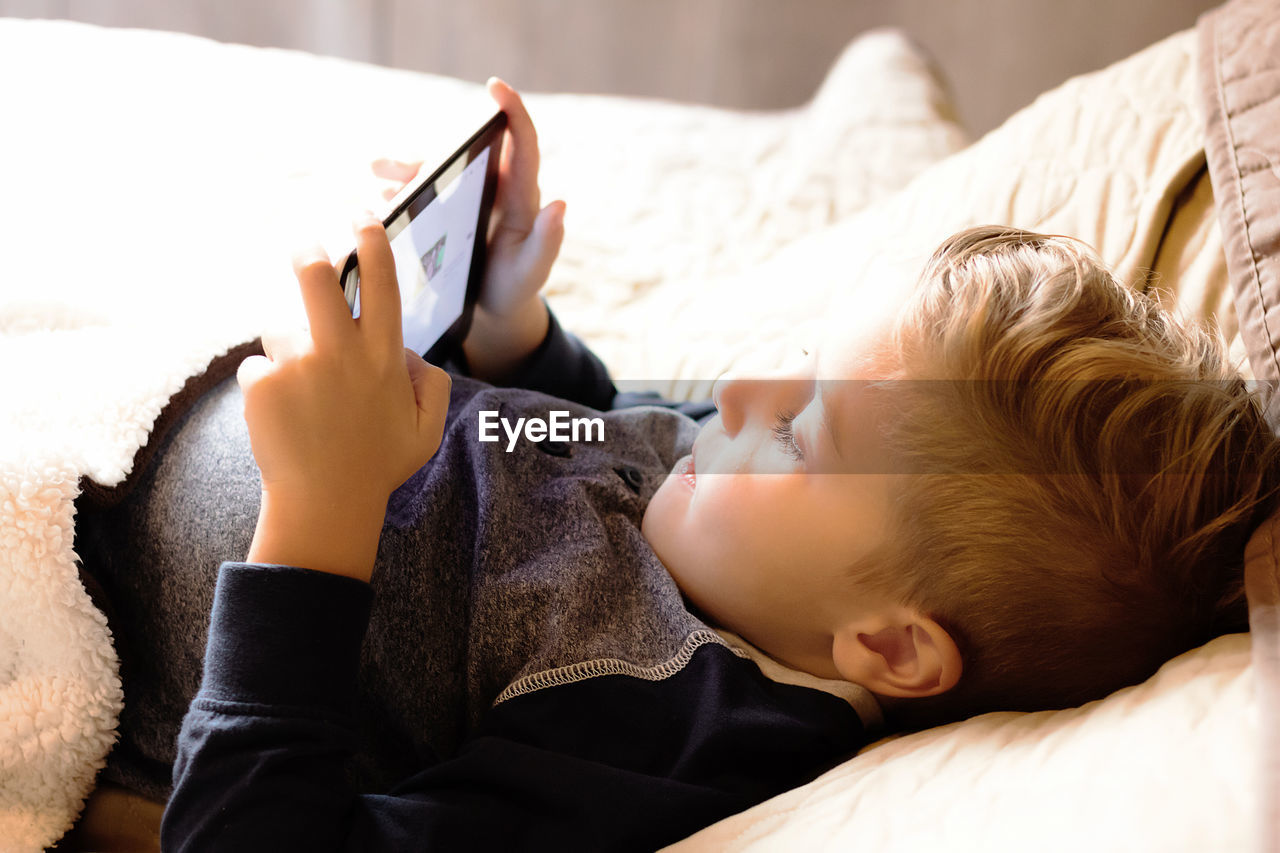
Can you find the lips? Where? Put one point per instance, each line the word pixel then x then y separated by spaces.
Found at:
pixel 687 472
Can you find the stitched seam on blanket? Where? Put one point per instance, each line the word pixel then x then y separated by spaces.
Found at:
pixel 1261 167
pixel 1239 183
pixel 1239 111
pixel 612 666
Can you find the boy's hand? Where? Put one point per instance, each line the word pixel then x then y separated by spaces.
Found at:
pixel 510 319
pixel 340 417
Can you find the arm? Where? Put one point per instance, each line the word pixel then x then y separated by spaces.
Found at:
pixel 563 366
pixel 514 339
pixel 510 320
pixel 338 418
pixel 263 750
pixel 264 746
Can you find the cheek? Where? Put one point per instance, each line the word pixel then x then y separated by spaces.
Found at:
pixel 726 519
pixel 731 520
pixel 691 530
pixel 723 504
pixel 772 519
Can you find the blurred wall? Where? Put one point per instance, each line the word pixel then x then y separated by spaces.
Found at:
pixel 998 54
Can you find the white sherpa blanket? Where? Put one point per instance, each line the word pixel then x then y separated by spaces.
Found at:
pixel 153 185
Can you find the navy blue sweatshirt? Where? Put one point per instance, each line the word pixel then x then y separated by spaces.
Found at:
pixel 521 673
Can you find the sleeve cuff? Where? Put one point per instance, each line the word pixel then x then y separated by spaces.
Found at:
pixel 564 367
pixel 281 635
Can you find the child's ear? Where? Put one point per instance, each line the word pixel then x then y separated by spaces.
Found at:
pixel 900 652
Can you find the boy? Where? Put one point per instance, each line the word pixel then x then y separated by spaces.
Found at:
pixel 1025 489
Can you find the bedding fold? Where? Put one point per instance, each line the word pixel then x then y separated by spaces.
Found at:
pixel 1239 78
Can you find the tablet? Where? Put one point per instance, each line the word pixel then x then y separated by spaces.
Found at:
pixel 438 232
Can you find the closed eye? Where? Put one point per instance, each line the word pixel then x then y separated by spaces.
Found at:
pixel 786 437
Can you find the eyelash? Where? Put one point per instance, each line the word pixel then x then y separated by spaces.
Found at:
pixel 782 431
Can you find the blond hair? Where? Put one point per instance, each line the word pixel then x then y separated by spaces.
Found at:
pixel 1090 467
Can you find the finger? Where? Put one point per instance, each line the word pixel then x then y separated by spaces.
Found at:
pixel 394 176
pixel 518 197
pixel 431 387
pixel 395 170
pixel 543 246
pixel 433 382
pixel 251 370
pixel 379 291
pixel 283 344
pixel 327 311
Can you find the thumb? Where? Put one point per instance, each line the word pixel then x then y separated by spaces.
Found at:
pixel 543 245
pixel 395 170
pixel 431 387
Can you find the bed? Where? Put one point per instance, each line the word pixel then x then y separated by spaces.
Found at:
pixel 155 182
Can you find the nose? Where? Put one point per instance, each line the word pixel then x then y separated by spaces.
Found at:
pixel 739 399
pixel 728 394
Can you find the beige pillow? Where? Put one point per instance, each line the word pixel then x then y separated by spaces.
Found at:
pixel 1103 157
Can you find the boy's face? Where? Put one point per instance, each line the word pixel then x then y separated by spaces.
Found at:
pixel 760 525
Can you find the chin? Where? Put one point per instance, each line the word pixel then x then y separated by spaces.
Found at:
pixel 661 507
pixel 659 526
pixel 649 522
pixel 660 516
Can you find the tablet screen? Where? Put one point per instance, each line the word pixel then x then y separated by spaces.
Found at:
pixel 437 234
pixel 433 247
